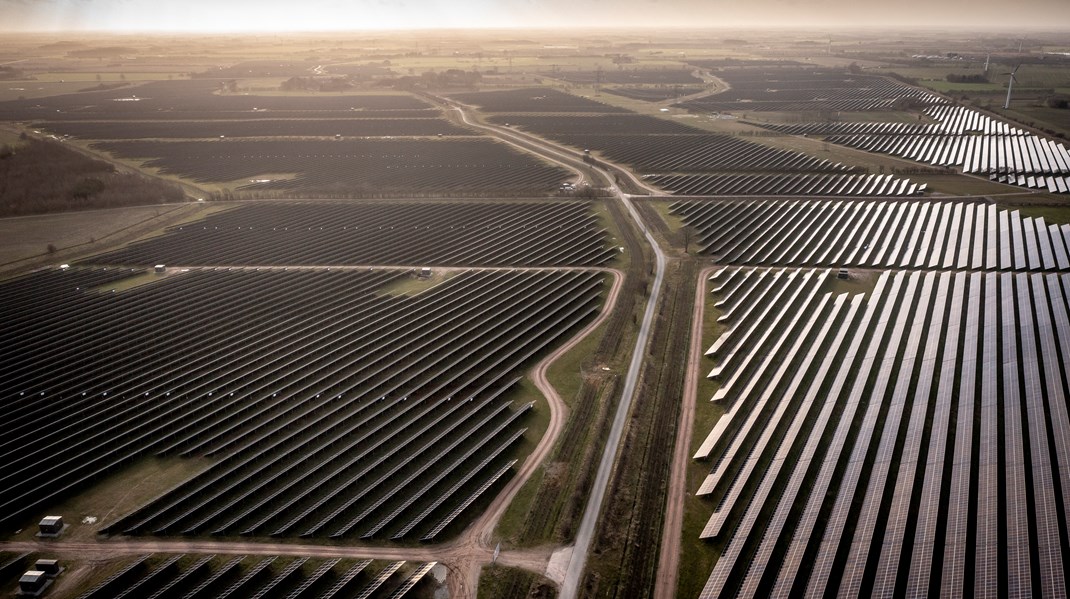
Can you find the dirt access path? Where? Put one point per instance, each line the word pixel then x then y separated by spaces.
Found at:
pixel 669 560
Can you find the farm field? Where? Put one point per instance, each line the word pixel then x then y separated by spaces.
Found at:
pixel 42 176
pixel 381 233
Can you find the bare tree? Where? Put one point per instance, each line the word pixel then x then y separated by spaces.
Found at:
pixel 688 232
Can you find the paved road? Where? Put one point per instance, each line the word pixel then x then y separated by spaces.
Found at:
pixel 568 156
pixel 585 533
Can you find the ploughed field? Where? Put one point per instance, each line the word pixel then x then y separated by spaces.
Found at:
pixel 330 406
pixel 385 233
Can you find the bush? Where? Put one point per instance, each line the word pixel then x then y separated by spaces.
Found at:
pixel 87 187
pixel 956 78
pixel 1060 102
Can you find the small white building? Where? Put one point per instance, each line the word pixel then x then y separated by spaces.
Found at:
pixel 50 526
pixel 32 582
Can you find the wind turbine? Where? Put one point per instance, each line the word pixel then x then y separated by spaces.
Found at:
pixel 987 58
pixel 1010 86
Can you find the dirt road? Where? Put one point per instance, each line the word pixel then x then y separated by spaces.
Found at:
pixel 669 559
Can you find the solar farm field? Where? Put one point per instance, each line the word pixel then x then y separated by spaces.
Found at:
pixel 893 234
pixel 541 99
pixel 200 99
pixel 960 137
pixel 199 576
pixel 790 89
pixel 623 76
pixel 601 124
pixel 703 152
pixel 909 440
pixel 802 184
pixel 384 233
pixel 653 94
pixel 360 166
pixel 683 160
pixel 309 127
pixel 352 412
pixel 320 145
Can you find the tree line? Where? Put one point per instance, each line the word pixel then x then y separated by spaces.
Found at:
pixel 41 176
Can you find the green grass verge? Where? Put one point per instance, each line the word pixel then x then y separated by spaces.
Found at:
pixel 1051 214
pixel 697 557
pixel 501 582
pixel 115 496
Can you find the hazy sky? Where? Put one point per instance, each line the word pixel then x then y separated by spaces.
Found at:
pixel 319 15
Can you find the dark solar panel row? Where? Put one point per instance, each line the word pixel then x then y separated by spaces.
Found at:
pixel 851 185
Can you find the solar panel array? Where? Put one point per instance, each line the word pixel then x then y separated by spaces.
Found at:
pixel 910 441
pixel 380 233
pixel 961 137
pixel 281 577
pixel 684 160
pixel 800 88
pixel 889 234
pixel 350 411
pixel 806 184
